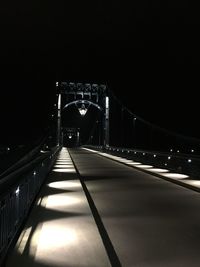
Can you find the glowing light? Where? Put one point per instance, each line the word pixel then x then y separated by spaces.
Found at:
pixel 169 157
pixel 107 101
pixel 17 191
pixel 145 166
pixel 56 237
pixel 154 156
pixel 189 160
pixel 60 201
pixel 192 150
pixel 143 154
pixel 192 182
pixel 64 184
pixel 82 110
pixel 159 170
pixel 59 101
pixel 176 175
pixel 64 170
pixel 60 166
pixel 134 163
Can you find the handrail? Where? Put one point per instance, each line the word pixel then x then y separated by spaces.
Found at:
pixel 29 156
pixel 172 154
pixel 18 190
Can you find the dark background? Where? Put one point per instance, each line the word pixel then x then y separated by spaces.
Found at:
pixel 146 51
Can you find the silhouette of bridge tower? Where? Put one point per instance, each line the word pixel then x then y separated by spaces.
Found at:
pixel 83 95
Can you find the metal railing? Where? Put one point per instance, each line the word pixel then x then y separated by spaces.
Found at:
pixel 183 163
pixel 18 190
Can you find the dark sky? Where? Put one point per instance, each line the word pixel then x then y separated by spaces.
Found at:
pixel 146 51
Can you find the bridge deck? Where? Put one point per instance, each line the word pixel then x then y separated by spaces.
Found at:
pixel 149 221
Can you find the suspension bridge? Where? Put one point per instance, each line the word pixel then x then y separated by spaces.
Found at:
pixel 103 188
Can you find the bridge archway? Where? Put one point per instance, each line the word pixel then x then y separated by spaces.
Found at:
pixel 83 95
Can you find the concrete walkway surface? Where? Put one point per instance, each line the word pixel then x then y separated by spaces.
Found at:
pixel 61 230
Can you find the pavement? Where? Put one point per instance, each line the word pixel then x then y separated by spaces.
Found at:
pixel 151 222
pixel 99 210
pixel 60 230
pixel 178 178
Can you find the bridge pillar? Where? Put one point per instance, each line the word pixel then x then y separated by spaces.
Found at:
pixel 106 129
pixel 59 121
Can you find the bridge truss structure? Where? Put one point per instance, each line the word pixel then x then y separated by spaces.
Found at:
pixel 83 95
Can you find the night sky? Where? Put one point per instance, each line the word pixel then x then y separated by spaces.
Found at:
pixel 146 51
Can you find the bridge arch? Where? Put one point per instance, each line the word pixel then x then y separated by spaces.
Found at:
pixel 76 102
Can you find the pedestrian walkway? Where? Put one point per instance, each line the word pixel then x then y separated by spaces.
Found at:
pixel 178 178
pixel 60 230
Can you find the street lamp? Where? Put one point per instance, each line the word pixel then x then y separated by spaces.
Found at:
pixel 82 110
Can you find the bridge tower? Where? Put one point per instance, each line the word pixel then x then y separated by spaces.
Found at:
pixel 83 95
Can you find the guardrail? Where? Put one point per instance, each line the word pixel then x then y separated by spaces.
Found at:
pixel 182 163
pixel 17 192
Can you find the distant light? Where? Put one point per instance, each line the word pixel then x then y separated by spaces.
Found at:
pixel 154 156
pixel 189 160
pixel 34 173
pixel 171 150
pixel 192 150
pixel 128 151
pixel 70 136
pixel 169 157
pixel 135 152
pixel 122 150
pixel 8 148
pixel 82 110
pixel 17 191
pixel 56 84
pixel 165 164
pixel 107 101
pixel 178 151
pixel 143 154
pixel 135 119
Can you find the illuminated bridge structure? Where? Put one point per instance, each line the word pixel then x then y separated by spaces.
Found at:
pixel 125 194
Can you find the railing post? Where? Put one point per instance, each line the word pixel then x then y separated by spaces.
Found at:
pixel 59 120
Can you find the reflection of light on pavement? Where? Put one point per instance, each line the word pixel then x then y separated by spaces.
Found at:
pixel 60 200
pixel 176 175
pixel 63 165
pixel 159 170
pixel 192 182
pixel 64 184
pixel 64 170
pixel 61 161
pixel 144 166
pixel 134 163
pixel 55 236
